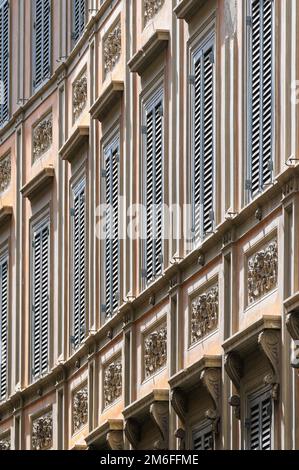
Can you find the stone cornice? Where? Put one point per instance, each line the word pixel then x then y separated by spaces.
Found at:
pixel 186 9
pixel 110 432
pixel 107 100
pixel 187 378
pixel 78 138
pixel 5 214
pixel 38 182
pixel 141 407
pixel 154 46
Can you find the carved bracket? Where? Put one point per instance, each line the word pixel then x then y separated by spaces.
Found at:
pixel 179 403
pixel 269 342
pixel 292 323
pixel 234 368
pixel 160 415
pixel 115 440
pixel 132 432
pixel 211 378
pixel 180 434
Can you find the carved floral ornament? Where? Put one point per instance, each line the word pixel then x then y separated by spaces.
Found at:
pixel 80 408
pixel 5 442
pixel 42 137
pixel 155 351
pixel 204 314
pixel 5 173
pixel 112 48
pixel 112 382
pixel 79 95
pixel 262 272
pixel 151 8
pixel 42 432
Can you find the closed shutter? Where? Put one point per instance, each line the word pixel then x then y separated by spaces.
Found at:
pixel 42 42
pixel 259 423
pixel 79 18
pixel 40 296
pixel 261 95
pixel 112 263
pixel 203 439
pixel 203 143
pixel 4 62
pixel 154 191
pixel 3 327
pixel 79 244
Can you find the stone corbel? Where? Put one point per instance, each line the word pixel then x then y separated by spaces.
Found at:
pixel 115 440
pixel 159 413
pixel 210 378
pixel 132 432
pixel 269 342
pixel 179 403
pixel 180 434
pixel 292 324
pixel 234 368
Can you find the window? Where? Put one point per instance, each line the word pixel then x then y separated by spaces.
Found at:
pixel 79 264
pixel 203 145
pixel 79 19
pixel 260 95
pixel 40 299
pixel 259 422
pixel 153 188
pixel 3 326
pixel 41 42
pixel 4 61
pixel 203 438
pixel 112 263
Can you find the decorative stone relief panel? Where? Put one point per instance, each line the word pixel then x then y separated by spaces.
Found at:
pixel 5 442
pixel 151 8
pixel 5 173
pixel 80 408
pixel 42 432
pixel 42 137
pixel 262 272
pixel 112 382
pixel 155 351
pixel 112 48
pixel 204 314
pixel 79 95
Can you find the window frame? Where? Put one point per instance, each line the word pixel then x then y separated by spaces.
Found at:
pixel 35 88
pixel 3 123
pixel 251 398
pixel 4 258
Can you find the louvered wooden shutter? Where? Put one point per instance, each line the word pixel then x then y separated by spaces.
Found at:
pixel 203 167
pixel 154 190
pixel 79 18
pixel 259 423
pixel 261 91
pixel 203 439
pixel 79 243
pixel 42 42
pixel 3 327
pixel 40 296
pixel 4 62
pixel 112 264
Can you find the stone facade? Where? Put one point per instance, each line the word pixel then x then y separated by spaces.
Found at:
pixel 5 442
pixel 204 314
pixel 151 8
pixel 79 95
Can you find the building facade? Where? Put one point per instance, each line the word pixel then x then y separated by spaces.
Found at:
pixel 149 216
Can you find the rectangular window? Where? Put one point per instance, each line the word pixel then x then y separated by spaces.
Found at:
pixel 203 141
pixel 79 264
pixel 259 422
pixel 112 261
pixel 203 438
pixel 260 95
pixel 4 62
pixel 41 42
pixel 40 299
pixel 79 19
pixel 153 188
pixel 3 326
